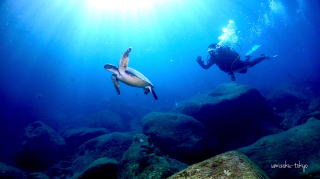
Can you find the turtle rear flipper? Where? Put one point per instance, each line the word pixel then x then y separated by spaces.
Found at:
pixel 146 91
pixel 154 94
pixel 116 83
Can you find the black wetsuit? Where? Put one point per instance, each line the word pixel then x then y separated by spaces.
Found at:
pixel 228 61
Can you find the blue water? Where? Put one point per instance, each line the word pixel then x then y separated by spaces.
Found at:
pixel 53 53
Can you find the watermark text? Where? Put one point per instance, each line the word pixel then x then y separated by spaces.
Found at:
pixel 296 165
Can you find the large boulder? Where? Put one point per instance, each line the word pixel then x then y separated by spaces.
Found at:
pixel 231 165
pixel 62 169
pixel 42 147
pixel 100 169
pixel 175 134
pixel 290 154
pixel 315 114
pixel 77 136
pixel 144 160
pixel 291 104
pixel 37 175
pixel 287 99
pixel 294 102
pixel 110 146
pixel 234 115
pixel 9 172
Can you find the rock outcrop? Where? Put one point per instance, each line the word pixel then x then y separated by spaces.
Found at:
pixel 101 168
pixel 286 99
pixel 110 146
pixel 37 175
pixel 290 154
pixel 42 147
pixel 233 115
pixel 9 172
pixel 77 136
pixel 144 160
pixel 233 165
pixel 175 134
pixel 293 104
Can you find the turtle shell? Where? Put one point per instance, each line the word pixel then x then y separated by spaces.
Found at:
pixel 137 74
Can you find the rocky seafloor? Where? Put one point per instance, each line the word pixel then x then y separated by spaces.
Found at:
pixel 232 131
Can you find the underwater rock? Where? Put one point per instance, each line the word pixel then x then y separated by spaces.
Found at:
pixel 75 137
pixel 234 115
pixel 294 103
pixel 291 104
pixel 315 114
pixel 144 160
pixel 111 146
pixel 100 169
pixel 290 154
pixel 37 175
pixel 62 169
pixel 175 134
pixel 292 118
pixel 314 104
pixel 231 164
pixel 285 99
pixel 42 147
pixel 307 116
pixel 9 172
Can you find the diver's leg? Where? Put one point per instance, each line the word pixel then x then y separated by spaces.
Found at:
pixel 256 61
pixel 239 66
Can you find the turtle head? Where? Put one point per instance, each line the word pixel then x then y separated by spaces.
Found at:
pixel 111 68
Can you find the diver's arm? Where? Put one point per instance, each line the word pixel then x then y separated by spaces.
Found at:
pixel 203 65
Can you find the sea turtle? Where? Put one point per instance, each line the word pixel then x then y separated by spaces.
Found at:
pixel 129 76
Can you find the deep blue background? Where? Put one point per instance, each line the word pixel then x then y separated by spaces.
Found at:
pixel 53 53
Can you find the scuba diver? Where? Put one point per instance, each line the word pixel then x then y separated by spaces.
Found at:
pixel 228 60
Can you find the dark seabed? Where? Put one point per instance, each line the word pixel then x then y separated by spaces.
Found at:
pixel 61 117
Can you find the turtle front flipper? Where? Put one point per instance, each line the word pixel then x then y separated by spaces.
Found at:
pixel 124 61
pixel 116 83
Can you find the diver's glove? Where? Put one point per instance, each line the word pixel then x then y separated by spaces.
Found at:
pixel 199 60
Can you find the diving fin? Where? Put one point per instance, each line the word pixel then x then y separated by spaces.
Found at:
pixel 253 49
